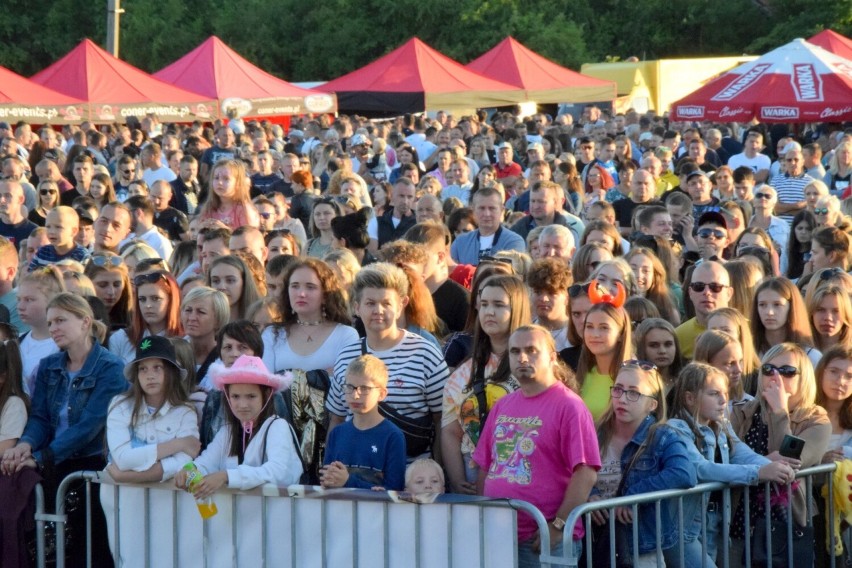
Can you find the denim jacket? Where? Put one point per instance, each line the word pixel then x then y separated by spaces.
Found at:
pixel 100 379
pixel 738 467
pixel 663 464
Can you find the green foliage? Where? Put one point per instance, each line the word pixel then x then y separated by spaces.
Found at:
pixel 315 40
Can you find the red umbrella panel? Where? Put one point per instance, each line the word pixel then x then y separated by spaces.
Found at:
pixel 798 82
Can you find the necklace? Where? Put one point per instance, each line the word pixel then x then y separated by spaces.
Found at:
pixel 310 338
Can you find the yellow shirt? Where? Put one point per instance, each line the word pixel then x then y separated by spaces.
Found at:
pixel 687 333
pixel 595 392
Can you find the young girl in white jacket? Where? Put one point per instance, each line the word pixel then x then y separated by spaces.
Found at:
pixel 256 446
pixel 152 429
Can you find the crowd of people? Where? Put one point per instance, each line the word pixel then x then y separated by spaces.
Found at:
pixel 556 310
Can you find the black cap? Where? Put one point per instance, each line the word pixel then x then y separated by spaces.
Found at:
pixel 714 218
pixel 694 173
pixel 153 347
pixel 85 215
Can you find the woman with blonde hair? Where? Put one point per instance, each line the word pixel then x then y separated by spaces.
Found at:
pixel 111 278
pixel 724 352
pixel 610 273
pixel 785 404
pixel 735 324
pixel 839 174
pixel 228 199
pixel 65 430
pixel 828 213
pixel 814 191
pixel 603 232
pixel 586 259
pixel 652 281
pixel 745 274
pixel 203 312
pixel 830 312
pixel 231 276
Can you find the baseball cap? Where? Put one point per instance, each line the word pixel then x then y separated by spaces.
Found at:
pixel 694 173
pixel 357 140
pixel 504 144
pixel 714 218
pixel 85 215
pixel 534 146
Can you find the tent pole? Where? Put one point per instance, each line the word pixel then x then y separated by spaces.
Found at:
pixel 114 12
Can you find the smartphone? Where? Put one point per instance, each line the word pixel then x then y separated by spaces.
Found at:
pixel 791 447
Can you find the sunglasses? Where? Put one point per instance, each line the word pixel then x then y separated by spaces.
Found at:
pixel 47 192
pixel 786 371
pixel 576 290
pixel 106 260
pixel 762 196
pixel 265 215
pixel 644 365
pixel 496 259
pixel 829 273
pixel 715 233
pixel 149 278
pixel 128 172
pixel 699 287
pixel 147 263
pixel 821 211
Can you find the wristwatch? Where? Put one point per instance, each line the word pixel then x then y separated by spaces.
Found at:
pixel 558 524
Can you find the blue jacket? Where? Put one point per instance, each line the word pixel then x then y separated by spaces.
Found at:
pixel 663 464
pixel 465 249
pixel 739 466
pixel 100 379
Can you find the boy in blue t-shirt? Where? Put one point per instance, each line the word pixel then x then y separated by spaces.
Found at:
pixel 368 451
pixel 62 224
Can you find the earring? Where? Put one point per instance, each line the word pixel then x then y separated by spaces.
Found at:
pixel 323 311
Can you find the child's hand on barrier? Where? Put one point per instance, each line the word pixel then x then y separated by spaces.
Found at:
pixel 834 455
pixel 210 484
pixel 333 475
pixel 180 480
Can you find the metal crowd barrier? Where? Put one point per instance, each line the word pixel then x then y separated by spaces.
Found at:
pixel 723 559
pixel 299 526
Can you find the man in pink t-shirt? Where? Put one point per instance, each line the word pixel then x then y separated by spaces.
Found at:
pixel 539 444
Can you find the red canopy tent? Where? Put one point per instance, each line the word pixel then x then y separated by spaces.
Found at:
pixel 798 82
pixel 114 89
pixel 216 71
pixel 22 99
pixel 413 78
pixel 834 42
pixel 543 80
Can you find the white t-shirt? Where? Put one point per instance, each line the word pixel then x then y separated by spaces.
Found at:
pixel 278 357
pixel 32 352
pixel 759 162
pixel 13 418
pixel 486 243
pixel 373 226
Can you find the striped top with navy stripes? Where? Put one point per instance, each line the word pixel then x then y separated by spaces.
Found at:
pixel 417 373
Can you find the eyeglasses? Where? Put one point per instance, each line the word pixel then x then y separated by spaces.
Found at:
pixel 786 371
pixel 149 278
pixel 762 196
pixel 644 365
pixel 717 234
pixel 128 172
pixel 107 260
pixel 821 211
pixel 47 192
pixel 631 395
pixel 791 160
pixel 699 287
pixel 362 390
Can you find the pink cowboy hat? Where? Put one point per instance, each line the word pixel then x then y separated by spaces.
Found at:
pixel 248 370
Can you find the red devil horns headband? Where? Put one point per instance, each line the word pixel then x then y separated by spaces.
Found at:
pixel 599 295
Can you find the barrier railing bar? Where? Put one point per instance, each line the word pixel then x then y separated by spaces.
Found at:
pixel 88 523
pixel 40 520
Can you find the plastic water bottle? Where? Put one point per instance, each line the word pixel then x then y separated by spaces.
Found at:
pixel 206 507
